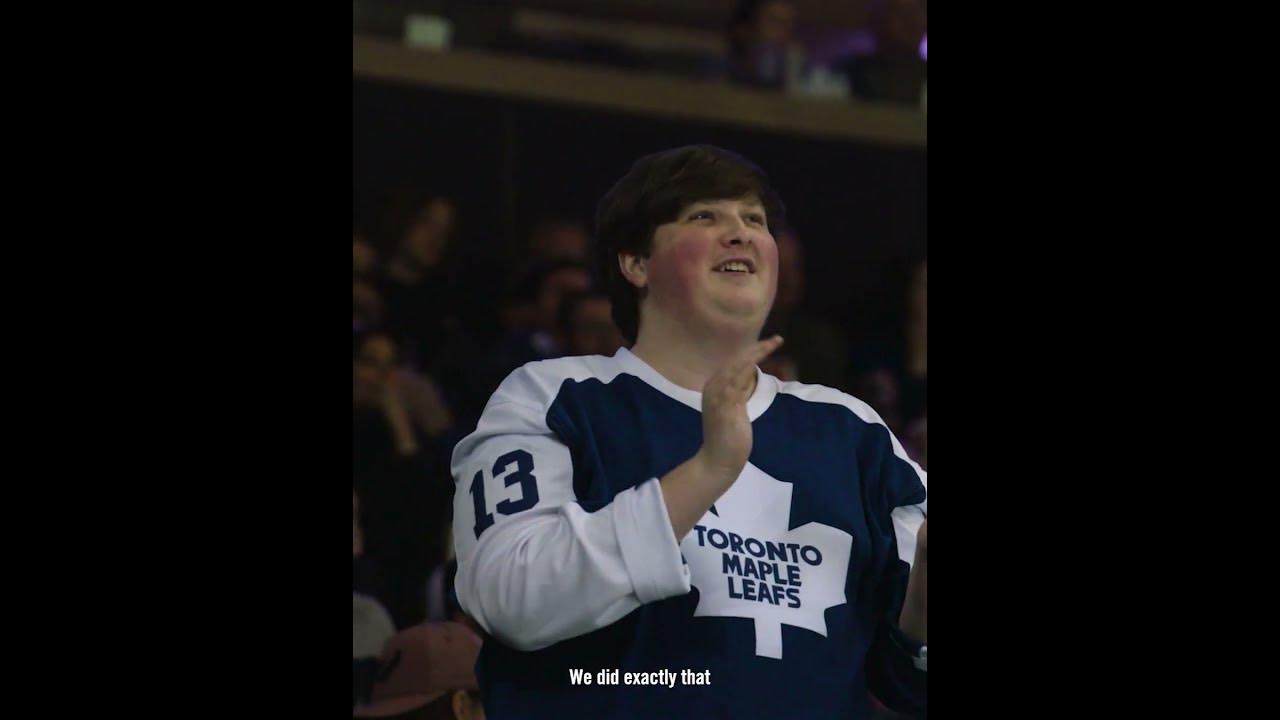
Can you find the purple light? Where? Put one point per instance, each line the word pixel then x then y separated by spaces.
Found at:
pixel 924 48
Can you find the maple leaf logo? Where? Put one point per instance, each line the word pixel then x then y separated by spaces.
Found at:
pixel 746 563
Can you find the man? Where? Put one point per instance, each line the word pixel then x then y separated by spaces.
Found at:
pixel 598 492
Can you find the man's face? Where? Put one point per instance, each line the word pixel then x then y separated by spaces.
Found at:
pixel 689 275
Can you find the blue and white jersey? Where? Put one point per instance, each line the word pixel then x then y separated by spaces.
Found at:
pixel 787 591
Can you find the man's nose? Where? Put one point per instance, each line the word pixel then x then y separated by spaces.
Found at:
pixel 737 234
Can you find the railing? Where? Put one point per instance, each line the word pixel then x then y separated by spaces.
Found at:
pixel 527 78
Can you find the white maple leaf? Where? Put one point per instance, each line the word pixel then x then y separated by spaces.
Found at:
pixel 729 549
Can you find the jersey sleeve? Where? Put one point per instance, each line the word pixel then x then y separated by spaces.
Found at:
pixel 534 567
pixel 896 671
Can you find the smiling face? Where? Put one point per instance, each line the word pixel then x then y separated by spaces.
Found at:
pixel 714 267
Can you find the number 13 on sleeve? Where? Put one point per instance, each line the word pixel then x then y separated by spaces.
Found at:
pixel 523 474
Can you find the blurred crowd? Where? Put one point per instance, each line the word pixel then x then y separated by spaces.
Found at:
pixel 433 333
pixel 884 61
pixel 764 44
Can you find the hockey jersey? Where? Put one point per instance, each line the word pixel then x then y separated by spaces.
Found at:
pixel 781 603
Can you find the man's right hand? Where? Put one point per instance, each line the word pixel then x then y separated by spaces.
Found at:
pixel 694 485
pixel 726 428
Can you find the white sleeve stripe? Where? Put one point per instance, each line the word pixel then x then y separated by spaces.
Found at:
pixel 648 543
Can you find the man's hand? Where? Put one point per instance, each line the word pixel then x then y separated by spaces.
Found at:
pixel 726 429
pixel 693 486
pixel 914 620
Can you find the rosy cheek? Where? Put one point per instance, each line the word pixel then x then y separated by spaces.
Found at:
pixel 682 265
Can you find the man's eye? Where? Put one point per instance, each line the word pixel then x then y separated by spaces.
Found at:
pixel 701 214
pixel 757 219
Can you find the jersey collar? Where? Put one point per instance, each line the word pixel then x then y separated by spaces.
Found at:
pixel 766 385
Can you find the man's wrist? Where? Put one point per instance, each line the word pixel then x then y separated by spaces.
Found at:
pixel 712 470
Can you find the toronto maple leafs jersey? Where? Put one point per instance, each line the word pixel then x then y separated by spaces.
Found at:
pixel 787 591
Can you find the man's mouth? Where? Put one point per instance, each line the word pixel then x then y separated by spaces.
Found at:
pixel 745 267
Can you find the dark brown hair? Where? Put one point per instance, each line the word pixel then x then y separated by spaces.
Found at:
pixel 652 193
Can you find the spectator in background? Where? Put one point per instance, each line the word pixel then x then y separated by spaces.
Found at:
pixel 411 402
pixel 416 286
pixel 397 418
pixel 554 283
pixel 586 324
pixel 895 372
pixel 377 402
pixel 533 332
pixel 762 43
pixel 364 259
pixel 440 582
pixel 442 598
pixel 366 301
pixel 817 352
pixel 366 577
pixel 893 70
pixel 428 673
pixel 366 306
pixel 422 238
pixel 879 389
pixel 438 297
pixel 371 626
pixel 559 239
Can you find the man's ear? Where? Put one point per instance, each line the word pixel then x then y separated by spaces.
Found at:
pixel 634 269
